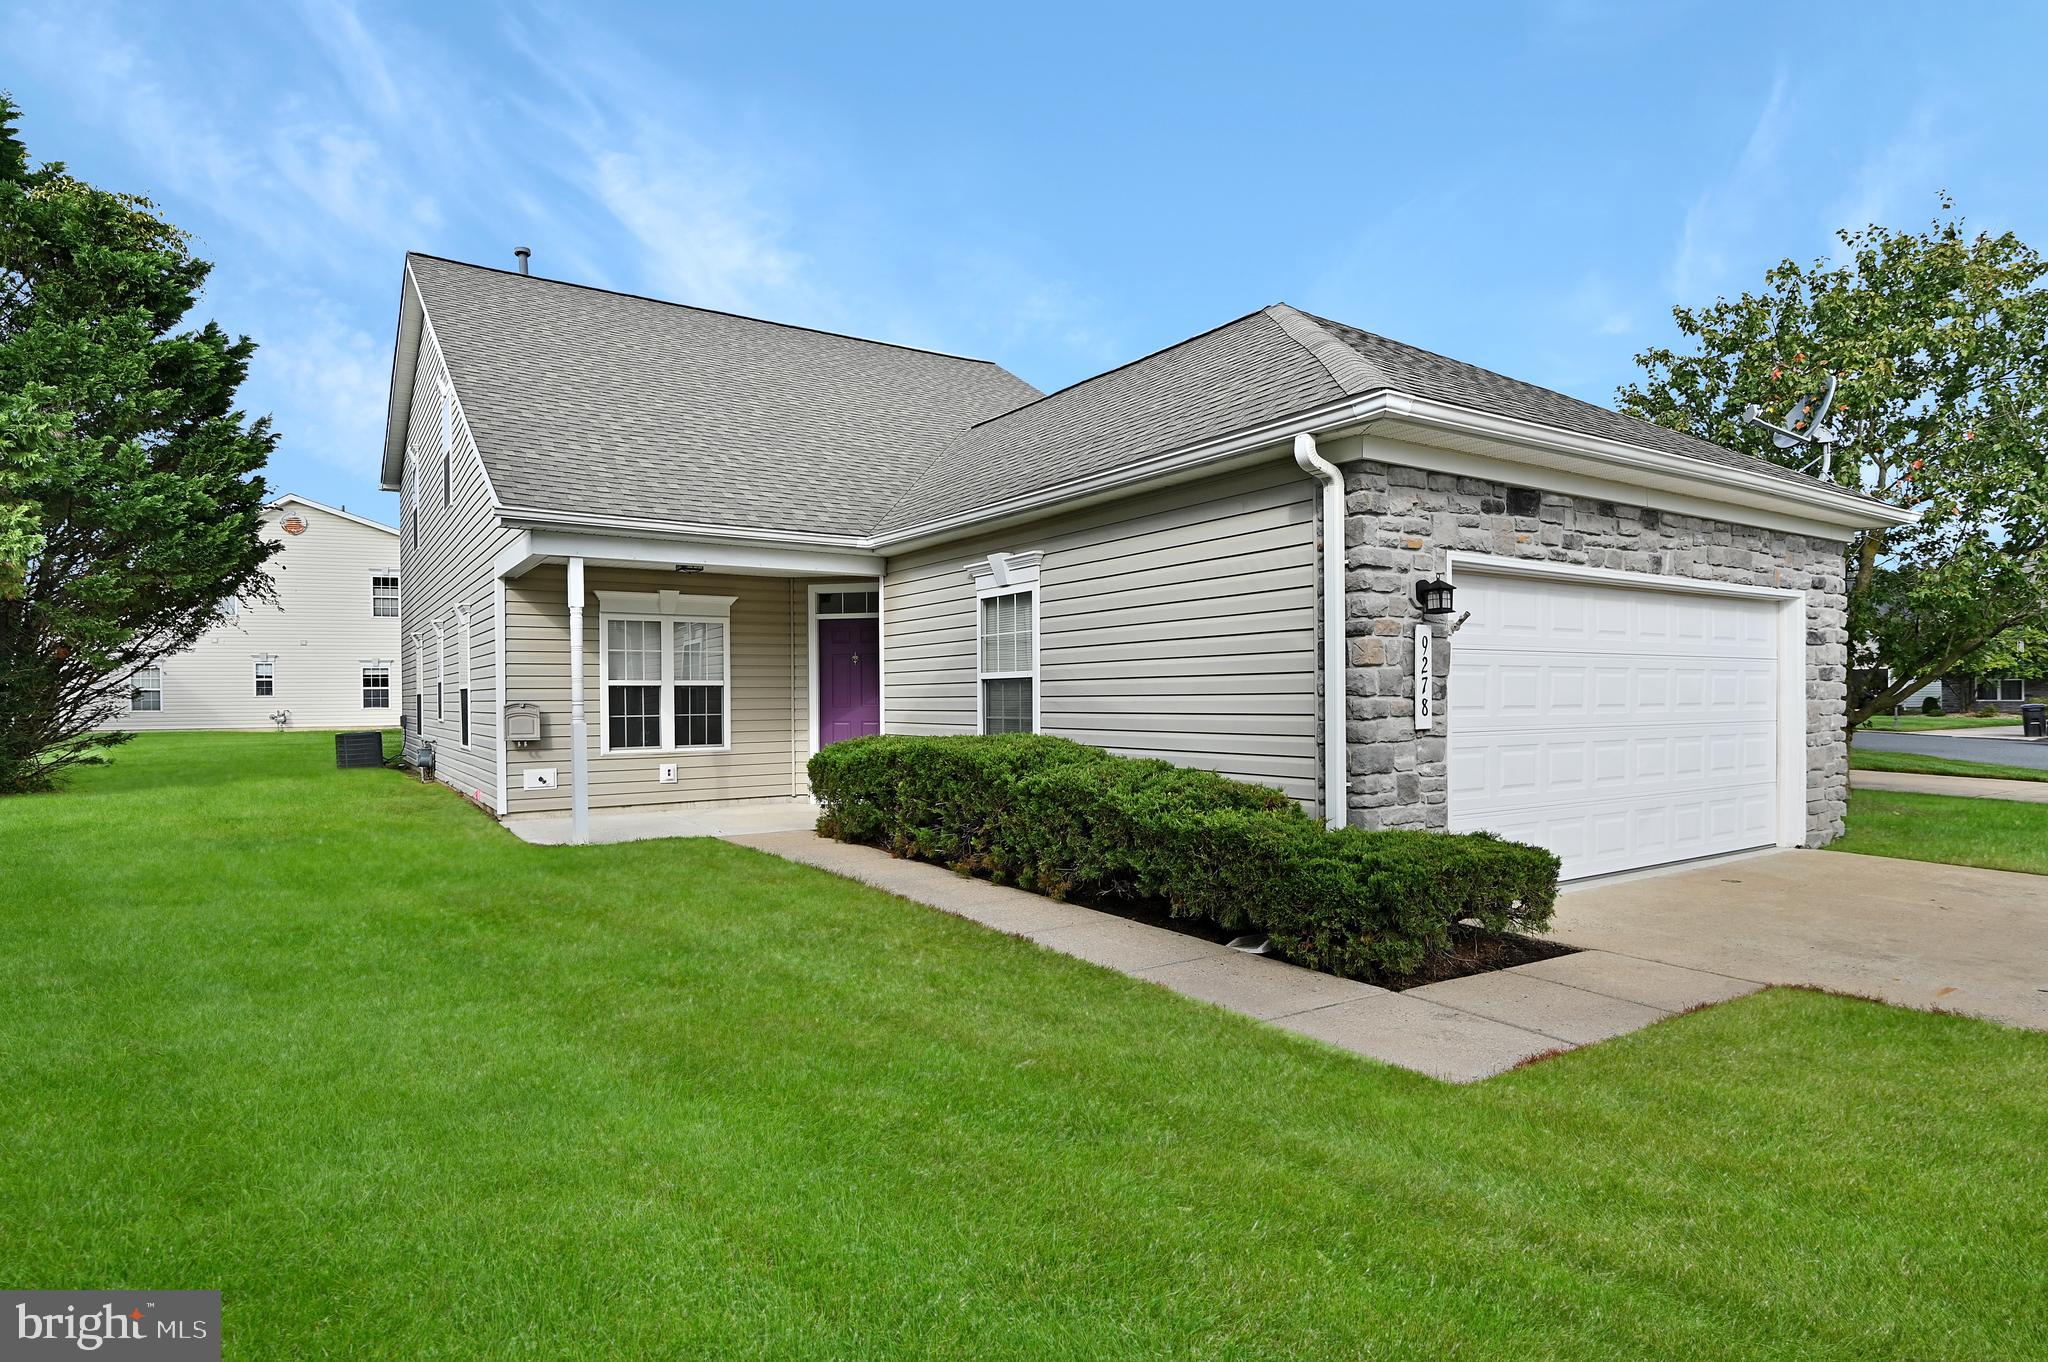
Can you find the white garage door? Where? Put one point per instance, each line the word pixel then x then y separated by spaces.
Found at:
pixel 1618 727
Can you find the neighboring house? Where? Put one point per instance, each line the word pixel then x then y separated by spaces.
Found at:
pixel 736 540
pixel 2006 693
pixel 324 650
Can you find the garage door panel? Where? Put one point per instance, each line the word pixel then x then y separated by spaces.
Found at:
pixel 1615 725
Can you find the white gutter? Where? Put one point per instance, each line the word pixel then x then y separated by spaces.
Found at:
pixel 1336 783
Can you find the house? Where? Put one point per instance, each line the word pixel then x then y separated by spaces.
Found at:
pixel 323 653
pixel 658 555
pixel 1960 694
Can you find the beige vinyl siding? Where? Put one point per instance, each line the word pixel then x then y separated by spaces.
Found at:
pixel 318 630
pixel 450 569
pixel 770 729
pixel 1177 623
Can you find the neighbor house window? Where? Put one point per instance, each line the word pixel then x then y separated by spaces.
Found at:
pixel 1007 662
pixel 376 685
pixel 384 594
pixel 2005 688
pixel 266 677
pixel 146 689
pixel 667 670
pixel 229 608
pixel 632 685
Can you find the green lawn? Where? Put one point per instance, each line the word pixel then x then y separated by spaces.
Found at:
pixel 1920 723
pixel 1917 763
pixel 403 1087
pixel 1999 834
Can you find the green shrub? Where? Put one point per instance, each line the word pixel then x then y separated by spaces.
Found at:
pixel 1067 819
pixel 1931 707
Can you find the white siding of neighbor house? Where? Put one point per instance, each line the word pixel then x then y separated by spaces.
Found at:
pixel 318 631
pixel 447 571
pixel 770 664
pixel 1177 623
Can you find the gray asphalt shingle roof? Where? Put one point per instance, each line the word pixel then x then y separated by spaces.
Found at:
pixel 1243 374
pixel 585 401
pixel 1425 374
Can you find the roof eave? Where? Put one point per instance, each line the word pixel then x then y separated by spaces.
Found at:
pixel 1431 420
pixel 405 354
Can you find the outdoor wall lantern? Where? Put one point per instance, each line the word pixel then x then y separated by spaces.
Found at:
pixel 1434 597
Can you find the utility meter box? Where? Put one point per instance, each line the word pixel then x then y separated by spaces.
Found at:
pixel 522 721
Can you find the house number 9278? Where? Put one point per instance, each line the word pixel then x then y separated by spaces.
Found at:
pixel 1425 679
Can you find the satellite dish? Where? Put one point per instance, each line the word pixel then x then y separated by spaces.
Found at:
pixel 1805 425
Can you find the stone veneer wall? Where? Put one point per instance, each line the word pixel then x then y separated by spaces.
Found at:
pixel 1399 523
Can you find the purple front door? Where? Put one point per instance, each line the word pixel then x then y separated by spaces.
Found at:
pixel 849 680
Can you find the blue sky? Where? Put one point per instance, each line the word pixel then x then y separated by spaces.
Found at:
pixel 1060 189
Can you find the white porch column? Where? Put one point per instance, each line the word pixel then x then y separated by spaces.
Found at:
pixel 579 730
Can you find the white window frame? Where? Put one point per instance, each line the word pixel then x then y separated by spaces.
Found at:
pixel 1998 685
pixel 1006 574
pixel 256 666
pixel 447 390
pixel 440 673
pixel 156 668
pixel 391 692
pixel 813 614
pixel 664 608
pixel 462 690
pixel 397 599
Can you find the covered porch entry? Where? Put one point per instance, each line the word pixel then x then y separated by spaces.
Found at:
pixel 651 675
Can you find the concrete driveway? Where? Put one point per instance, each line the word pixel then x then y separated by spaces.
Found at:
pixel 1906 932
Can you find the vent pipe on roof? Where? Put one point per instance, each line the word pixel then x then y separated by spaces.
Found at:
pixel 524 253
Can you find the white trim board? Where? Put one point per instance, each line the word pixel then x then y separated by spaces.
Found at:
pixel 1791 622
pixel 1006 574
pixel 670 607
pixel 811 618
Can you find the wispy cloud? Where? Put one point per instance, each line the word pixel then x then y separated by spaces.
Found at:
pixel 1899 176
pixel 1595 306
pixel 1724 217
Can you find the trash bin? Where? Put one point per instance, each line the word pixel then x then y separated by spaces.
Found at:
pixel 2034 721
pixel 359 749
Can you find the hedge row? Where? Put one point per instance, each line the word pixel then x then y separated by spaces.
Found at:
pixel 1070 820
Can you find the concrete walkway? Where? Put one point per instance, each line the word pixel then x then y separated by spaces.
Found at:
pixel 1913 933
pixel 691 820
pixel 1969 787
pixel 1460 1031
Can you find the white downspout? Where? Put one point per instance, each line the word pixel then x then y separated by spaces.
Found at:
pixel 579 730
pixel 1336 786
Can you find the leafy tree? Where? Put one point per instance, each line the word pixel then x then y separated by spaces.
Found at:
pixel 2021 652
pixel 1937 341
pixel 130 505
